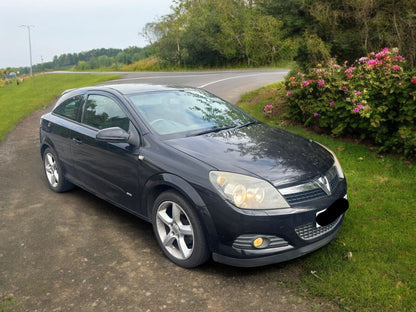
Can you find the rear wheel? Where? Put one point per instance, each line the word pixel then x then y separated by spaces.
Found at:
pixel 53 172
pixel 178 231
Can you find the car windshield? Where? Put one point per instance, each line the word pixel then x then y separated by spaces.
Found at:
pixel 189 112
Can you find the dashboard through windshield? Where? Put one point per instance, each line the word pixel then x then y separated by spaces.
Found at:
pixel 189 112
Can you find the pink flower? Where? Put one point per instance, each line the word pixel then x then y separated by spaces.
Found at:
pixel 413 80
pixel 360 106
pixel 396 67
pixel 288 93
pixel 357 92
pixel 332 103
pixel 356 110
pixel 268 108
pixel 350 69
pixel 305 83
pixel 315 114
pixel 399 57
pixel 372 62
pixel 345 89
pixel 383 53
pixel 399 83
pixel 321 83
pixel 348 75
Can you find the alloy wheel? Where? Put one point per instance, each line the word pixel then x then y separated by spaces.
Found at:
pixel 175 230
pixel 51 170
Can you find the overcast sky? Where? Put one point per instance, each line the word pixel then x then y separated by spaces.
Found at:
pixel 68 26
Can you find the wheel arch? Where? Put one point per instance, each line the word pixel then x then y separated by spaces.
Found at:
pixel 43 147
pixel 169 182
pixel 46 143
pixel 64 184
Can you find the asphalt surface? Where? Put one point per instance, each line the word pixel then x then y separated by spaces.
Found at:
pixel 75 252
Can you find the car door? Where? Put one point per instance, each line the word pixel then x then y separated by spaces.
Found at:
pixel 59 129
pixel 109 170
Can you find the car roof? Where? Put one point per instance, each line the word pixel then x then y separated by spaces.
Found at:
pixel 121 88
pixel 127 88
pixel 130 88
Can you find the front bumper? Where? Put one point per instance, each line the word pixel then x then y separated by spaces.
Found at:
pixel 283 253
pixel 287 233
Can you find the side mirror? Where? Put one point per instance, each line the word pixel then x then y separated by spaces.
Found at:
pixel 113 135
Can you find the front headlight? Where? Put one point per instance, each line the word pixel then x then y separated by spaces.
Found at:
pixel 336 161
pixel 247 192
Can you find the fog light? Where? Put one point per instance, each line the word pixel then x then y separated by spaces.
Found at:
pixel 258 242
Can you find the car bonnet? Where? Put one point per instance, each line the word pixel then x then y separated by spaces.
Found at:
pixel 279 156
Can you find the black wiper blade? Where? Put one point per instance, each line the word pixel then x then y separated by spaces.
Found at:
pixel 215 129
pixel 247 124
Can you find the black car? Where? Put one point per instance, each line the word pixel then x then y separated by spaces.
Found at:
pixel 212 180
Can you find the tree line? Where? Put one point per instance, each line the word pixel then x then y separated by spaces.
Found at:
pixel 92 59
pixel 253 33
pixel 263 32
pixel 98 58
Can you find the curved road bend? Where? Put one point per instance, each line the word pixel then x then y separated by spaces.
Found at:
pixel 229 85
pixel 75 252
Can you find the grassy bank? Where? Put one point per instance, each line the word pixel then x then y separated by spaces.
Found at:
pixel 18 101
pixel 370 266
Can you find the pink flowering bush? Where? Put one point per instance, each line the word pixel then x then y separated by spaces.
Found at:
pixel 268 109
pixel 373 99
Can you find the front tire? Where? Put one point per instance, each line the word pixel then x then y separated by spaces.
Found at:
pixel 53 171
pixel 178 231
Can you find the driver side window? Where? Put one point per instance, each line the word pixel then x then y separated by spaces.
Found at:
pixel 103 112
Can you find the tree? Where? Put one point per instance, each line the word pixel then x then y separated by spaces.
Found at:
pixel 217 33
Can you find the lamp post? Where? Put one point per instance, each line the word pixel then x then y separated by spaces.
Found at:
pixel 30 47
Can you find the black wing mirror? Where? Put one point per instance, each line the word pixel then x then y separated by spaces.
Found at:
pixel 113 135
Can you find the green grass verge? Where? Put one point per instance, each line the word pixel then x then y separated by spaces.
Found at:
pixel 18 101
pixel 371 265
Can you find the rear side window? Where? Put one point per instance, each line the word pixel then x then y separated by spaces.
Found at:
pixel 71 108
pixel 103 112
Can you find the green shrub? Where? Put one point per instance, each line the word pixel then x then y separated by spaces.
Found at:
pixel 311 51
pixel 374 99
pixel 147 64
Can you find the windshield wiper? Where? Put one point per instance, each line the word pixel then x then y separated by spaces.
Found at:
pixel 218 129
pixel 247 124
pixel 215 129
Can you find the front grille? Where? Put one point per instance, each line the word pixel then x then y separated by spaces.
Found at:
pixel 311 190
pixel 310 231
pixel 304 196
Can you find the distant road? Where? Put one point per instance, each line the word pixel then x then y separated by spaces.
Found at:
pixel 229 85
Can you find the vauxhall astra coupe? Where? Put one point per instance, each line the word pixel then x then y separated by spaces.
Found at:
pixel 213 181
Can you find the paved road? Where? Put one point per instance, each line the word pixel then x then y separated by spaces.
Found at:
pixel 75 252
pixel 227 84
